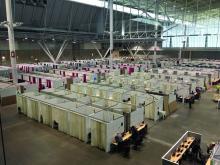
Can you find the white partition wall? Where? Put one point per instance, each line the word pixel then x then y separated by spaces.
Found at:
pixel 45 114
pixel 153 105
pixel 77 126
pixel 137 116
pixel 78 119
pixel 32 109
pixel 60 117
pixel 104 126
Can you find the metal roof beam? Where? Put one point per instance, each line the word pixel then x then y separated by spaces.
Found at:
pixel 52 30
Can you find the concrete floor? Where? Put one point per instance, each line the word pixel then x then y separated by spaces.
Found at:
pixel 30 143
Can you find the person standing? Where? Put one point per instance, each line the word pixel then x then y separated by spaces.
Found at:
pixel 190 102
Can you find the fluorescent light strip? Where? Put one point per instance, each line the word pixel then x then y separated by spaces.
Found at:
pixel 128 10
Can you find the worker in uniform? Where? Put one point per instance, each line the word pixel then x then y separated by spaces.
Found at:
pixel 190 103
pixel 123 146
pixel 143 132
pixel 191 100
pixel 119 140
pixel 135 137
pixel 126 148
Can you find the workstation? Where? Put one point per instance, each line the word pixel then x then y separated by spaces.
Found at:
pixel 84 75
pixel 8 91
pixel 74 118
pixel 164 98
pixel 177 153
pixel 43 80
pixel 30 68
pixel 133 115
pixel 153 104
pixel 187 150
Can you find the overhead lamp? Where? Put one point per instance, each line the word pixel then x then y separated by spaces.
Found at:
pixel 25 38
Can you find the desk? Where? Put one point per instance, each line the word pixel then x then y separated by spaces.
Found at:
pixel 215 82
pixel 128 135
pixel 216 97
pixel 182 149
pixel 208 162
pixel 147 89
pixel 140 127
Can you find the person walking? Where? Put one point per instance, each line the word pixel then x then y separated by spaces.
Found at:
pixel 190 103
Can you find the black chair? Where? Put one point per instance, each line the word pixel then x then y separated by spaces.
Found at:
pixel 89 138
pixel 126 148
pixel 19 110
pixel 135 138
pixel 41 119
pixel 55 125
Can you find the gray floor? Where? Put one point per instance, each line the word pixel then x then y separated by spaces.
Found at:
pixel 30 143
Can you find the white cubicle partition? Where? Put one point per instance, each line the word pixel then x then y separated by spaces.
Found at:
pixel 104 126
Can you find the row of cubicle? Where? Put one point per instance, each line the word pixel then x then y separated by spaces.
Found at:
pixel 84 122
pixel 82 114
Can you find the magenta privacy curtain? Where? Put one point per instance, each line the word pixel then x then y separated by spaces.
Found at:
pixel 131 70
pixel 34 80
pixel 30 79
pixel 40 84
pixel 49 83
pixel 84 78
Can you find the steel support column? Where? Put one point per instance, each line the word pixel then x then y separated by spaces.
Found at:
pixel 130 51
pixel 111 31
pixel 136 51
pixel 184 44
pixel 156 31
pixel 123 28
pixel 46 51
pixel 62 48
pixel 180 54
pixel 100 54
pixel 106 53
pixel 190 55
pixel 11 39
